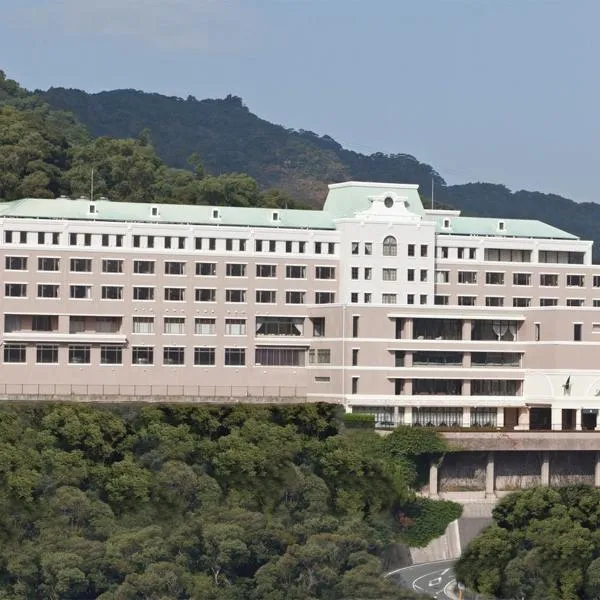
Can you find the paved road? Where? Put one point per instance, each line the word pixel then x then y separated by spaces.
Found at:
pixel 427 578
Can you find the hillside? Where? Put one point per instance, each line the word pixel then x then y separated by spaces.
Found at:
pixel 229 138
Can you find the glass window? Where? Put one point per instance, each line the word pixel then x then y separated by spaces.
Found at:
pixel 112 292
pixel 235 326
pixel 389 275
pixel 111 355
pixel 206 269
pixel 143 325
pixel 47 290
pixel 143 267
pixel 294 297
pixel 204 356
pixel 81 265
pixel 235 295
pixel 80 292
pixel 173 294
pixel 266 270
pixel 324 272
pixel 110 265
pixel 206 295
pixel 174 268
pixel 235 357
pixel 48 264
pixel 390 247
pixel 46 353
pixel 142 355
pixel 324 297
pixel 14 353
pixel 15 263
pixel 143 293
pixel 235 270
pixel 266 296
pixel 295 272
pixel 79 355
pixel 174 325
pixel 204 326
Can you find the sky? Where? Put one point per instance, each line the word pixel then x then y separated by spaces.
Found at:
pixel 503 91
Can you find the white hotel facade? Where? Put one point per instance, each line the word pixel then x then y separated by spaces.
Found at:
pixel 422 317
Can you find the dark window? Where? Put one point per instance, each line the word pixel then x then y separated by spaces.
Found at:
pixel 111 355
pixel 204 356
pixel 235 357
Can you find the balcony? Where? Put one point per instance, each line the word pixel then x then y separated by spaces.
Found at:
pixel 440 359
pixel 496 359
pixel 437 329
pixel 500 331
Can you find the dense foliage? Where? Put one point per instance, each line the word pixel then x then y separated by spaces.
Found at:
pixel 45 153
pixel 544 545
pixel 221 503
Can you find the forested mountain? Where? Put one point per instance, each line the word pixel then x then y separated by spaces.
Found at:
pixel 229 138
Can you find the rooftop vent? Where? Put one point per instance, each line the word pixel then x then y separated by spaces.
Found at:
pixel 92 209
pixel 501 226
pixel 154 211
pixel 275 216
pixel 216 214
pixel 446 224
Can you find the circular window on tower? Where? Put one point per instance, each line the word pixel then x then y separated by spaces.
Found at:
pixel 389 202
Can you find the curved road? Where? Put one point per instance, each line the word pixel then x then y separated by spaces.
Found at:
pixel 434 579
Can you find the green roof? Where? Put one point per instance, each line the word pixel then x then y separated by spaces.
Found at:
pixel 64 208
pixel 343 200
pixel 523 228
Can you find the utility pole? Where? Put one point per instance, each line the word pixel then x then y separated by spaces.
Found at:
pixel 92 186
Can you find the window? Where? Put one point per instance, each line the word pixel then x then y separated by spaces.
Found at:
pixel 355 247
pixel 355 326
pixel 596 281
pixel 143 325
pixel 143 293
pixel 15 290
pixel 561 257
pixel 596 303
pixel 79 355
pixel 143 267
pixel 390 247
pixel 265 296
pixel 174 268
pixel 111 355
pixel 295 272
pixel 410 275
pixel 81 265
pixel 466 300
pixel 322 356
pixel 537 332
pixel 235 357
pixel 8 237
pixel 110 265
pixel 354 298
pixel 118 240
pixel 154 211
pixel 548 301
pixel 266 270
pixel 354 273
pixel 212 244
pixel 367 298
pixel 577 332
pixel 389 299
pixel 411 250
pixel 235 270
pixel 168 241
pixel 215 213
pixel 368 248
pixel 354 389
pixel 46 353
pixel 506 255
pixel 423 299
pixel 204 356
pixel 494 301
pixel 87 239
pixel 324 272
pixel 521 302
pixel 318 324
pixel 14 353
pixel 48 264
pixel 206 295
pixel 80 292
pixel 258 245
pixel 575 280
pixel 324 297
pixel 547 280
pixel 174 325
pixel 318 247
pixel 47 290
pixel 294 297
pixel 173 355
pixel 423 250
pixel 492 278
pixel 368 272
pixel 174 294
pixel 423 275
pixel 204 326
pixel 446 224
pixel 442 252
pixel 206 269
pixel 330 247
pixel 235 295
pixel 389 274
pixel 228 245
pixel 235 326
pixel 112 292
pixel 440 300
pixel 410 298
pixel 521 278
pixel 15 263
pixel 105 239
pixel 280 357
pixel 181 243
pixel 289 326
pixel 142 355
pixel 136 241
pixel 22 237
pixel 467 277
pixel 575 302
pixel 41 323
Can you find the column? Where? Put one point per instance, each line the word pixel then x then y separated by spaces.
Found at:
pixel 466 362
pixel 466 420
pixel 545 468
pixel 407 329
pixel 597 470
pixel 490 477
pixel 466 329
pixel 408 359
pixel 408 415
pixel 556 419
pixel 407 390
pixel 433 480
pixel 523 419
pixel 500 418
pixel 578 419
pixel 396 420
pixel 466 387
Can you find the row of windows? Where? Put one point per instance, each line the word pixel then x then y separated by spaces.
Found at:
pixel 164 242
pixel 171 294
pixel 171 355
pixel 388 274
pixel 519 279
pixel 512 255
pixel 519 302
pixel 389 247
pixel 148 267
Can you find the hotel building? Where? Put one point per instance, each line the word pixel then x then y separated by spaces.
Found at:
pixel 422 317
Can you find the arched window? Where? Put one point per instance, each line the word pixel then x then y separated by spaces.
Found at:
pixel 390 248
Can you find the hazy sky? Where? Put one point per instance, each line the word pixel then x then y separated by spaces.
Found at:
pixel 505 91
